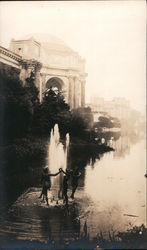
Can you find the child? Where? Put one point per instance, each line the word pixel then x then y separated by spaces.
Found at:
pixel 46 182
pixel 74 182
pixel 65 186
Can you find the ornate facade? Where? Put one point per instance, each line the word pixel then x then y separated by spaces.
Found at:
pixel 54 65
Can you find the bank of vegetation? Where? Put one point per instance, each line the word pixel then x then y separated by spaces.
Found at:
pixel 25 125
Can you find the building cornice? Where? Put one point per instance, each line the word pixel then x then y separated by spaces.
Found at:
pixel 71 69
pixel 25 40
pixel 10 54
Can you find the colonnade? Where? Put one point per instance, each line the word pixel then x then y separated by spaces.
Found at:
pixel 73 87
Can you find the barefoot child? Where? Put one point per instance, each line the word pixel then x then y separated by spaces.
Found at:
pixel 46 182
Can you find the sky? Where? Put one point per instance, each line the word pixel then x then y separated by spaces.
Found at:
pixel 109 35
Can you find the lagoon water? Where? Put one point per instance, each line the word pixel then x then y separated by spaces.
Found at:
pixel 116 188
pixel 111 197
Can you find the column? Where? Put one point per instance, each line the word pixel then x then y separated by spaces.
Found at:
pixel 38 80
pixel 65 88
pixel 76 97
pixel 83 82
pixel 23 72
pixel 71 92
pixel 77 93
pixel 43 82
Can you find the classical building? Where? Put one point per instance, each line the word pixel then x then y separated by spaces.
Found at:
pixel 118 107
pixel 53 63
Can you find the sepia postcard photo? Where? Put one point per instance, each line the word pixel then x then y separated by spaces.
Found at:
pixel 73 125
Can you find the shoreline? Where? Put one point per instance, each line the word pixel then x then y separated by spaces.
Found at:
pixel 28 206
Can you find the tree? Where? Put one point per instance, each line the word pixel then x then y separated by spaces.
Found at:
pixel 105 122
pixel 116 122
pixel 34 103
pixel 82 119
pixel 15 108
pixel 32 91
pixel 54 109
pixel 17 104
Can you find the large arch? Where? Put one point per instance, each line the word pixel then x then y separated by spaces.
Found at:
pixel 55 82
pixel 55 65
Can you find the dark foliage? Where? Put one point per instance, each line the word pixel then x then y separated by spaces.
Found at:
pixel 15 109
pixel 33 97
pixel 52 110
pixel 81 121
pixel 23 114
pixel 105 122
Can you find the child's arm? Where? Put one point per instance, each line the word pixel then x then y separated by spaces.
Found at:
pixel 61 170
pixel 55 174
pixel 67 172
pixel 64 172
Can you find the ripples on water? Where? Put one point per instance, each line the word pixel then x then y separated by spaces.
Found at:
pixel 111 197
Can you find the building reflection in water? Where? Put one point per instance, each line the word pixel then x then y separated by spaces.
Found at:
pixel 121 146
pixel 117 187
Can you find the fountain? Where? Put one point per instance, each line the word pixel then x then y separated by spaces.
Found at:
pixel 57 158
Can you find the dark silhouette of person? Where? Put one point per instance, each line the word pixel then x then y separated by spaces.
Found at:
pixel 65 186
pixel 74 181
pixel 60 191
pixel 46 182
pixel 65 189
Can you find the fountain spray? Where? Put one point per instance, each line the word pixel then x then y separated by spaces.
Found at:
pixel 57 158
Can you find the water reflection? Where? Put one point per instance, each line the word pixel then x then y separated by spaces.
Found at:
pixel 111 188
pixel 121 146
pixel 117 187
pixel 114 184
pixel 123 143
pixel 28 219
